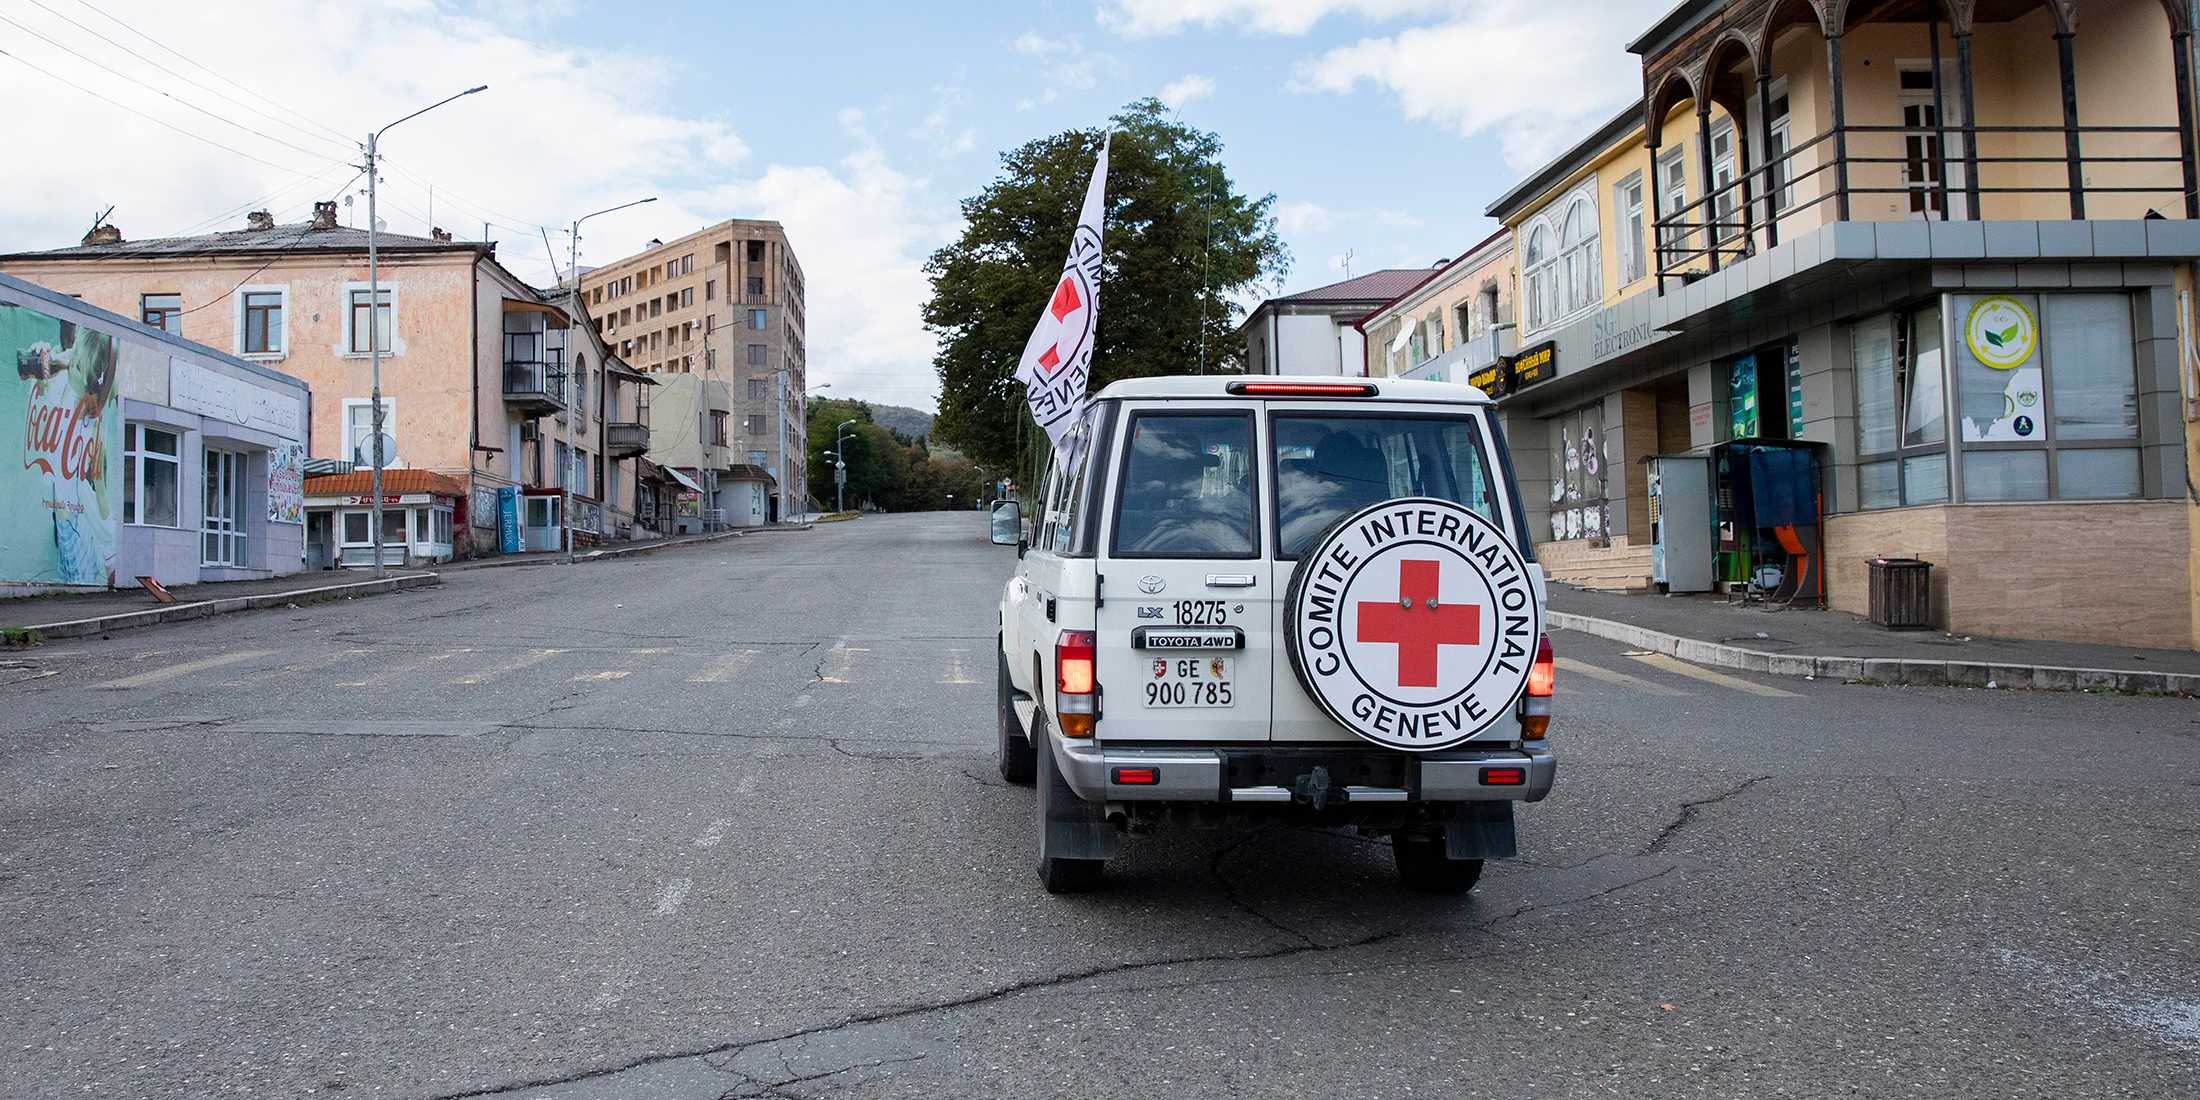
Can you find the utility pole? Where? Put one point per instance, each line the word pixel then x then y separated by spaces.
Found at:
pixel 573 272
pixel 374 314
pixel 840 468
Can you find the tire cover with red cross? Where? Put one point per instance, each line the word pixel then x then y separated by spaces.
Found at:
pixel 1413 623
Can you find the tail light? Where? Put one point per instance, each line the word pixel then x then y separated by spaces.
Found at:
pixel 1535 706
pixel 1073 682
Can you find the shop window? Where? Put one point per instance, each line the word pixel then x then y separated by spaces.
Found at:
pixel 356 531
pixel 1581 480
pixel 152 468
pixel 1901 408
pixel 2047 396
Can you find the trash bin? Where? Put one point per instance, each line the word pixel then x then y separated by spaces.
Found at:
pixel 1902 593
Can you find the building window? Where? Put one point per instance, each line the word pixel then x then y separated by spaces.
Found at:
pixel 371 317
pixel 753 424
pixel 1672 196
pixel 1536 260
pixel 755 251
pixel 756 286
pixel 1462 319
pixel 757 318
pixel 263 322
pixel 1577 242
pixel 710 290
pixel 687 264
pixel 1723 163
pixel 757 391
pixel 687 297
pixel 718 429
pixel 152 466
pixel 359 432
pixel 710 359
pixel 656 307
pixel 1628 196
pixel 756 354
pixel 162 311
pixel 1781 193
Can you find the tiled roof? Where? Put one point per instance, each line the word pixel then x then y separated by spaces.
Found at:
pixel 1375 286
pixel 299 237
pixel 361 482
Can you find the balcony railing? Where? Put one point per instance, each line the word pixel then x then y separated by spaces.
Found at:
pixel 532 383
pixel 1963 173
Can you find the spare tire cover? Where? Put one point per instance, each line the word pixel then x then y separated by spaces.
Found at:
pixel 1413 623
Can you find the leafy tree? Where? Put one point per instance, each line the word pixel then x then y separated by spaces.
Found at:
pixel 1180 240
pixel 885 469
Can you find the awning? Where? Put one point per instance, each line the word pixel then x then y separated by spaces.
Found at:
pixel 556 317
pixel 684 480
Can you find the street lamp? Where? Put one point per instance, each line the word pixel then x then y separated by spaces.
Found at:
pixel 374 310
pixel 565 476
pixel 840 467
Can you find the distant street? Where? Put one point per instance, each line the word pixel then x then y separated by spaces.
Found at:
pixel 723 821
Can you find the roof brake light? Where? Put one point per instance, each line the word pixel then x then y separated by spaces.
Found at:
pixel 1302 389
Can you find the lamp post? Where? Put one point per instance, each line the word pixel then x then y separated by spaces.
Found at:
pixel 565 476
pixel 374 310
pixel 840 466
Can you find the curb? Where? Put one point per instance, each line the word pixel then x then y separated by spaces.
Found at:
pixel 1887 670
pixel 594 555
pixel 131 620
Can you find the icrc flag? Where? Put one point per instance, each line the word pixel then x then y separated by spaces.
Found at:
pixel 1058 358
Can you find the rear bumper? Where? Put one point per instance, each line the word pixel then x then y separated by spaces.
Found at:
pixel 1095 772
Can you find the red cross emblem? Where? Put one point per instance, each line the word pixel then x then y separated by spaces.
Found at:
pixel 1066 301
pixel 1417 624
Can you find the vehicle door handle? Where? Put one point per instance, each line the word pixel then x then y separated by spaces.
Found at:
pixel 1230 580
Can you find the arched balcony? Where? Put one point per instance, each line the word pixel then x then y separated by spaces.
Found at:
pixel 1806 112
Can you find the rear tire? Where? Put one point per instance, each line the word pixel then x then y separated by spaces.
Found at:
pixel 1018 760
pixel 1057 874
pixel 1423 865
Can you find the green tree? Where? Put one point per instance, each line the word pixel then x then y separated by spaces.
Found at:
pixel 1180 240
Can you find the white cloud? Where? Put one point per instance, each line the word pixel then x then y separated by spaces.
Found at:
pixel 1150 17
pixel 1187 89
pixel 1295 218
pixel 605 118
pixel 1538 74
pixel 1039 45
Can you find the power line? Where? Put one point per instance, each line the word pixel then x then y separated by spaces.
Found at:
pixel 187 80
pixel 149 118
pixel 320 175
pixel 86 4
pixel 280 250
pixel 157 91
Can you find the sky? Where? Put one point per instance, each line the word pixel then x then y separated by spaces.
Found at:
pixel 1382 127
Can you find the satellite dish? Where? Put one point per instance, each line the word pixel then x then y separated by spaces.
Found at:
pixel 363 454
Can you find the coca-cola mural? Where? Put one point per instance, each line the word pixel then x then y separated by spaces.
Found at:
pixel 60 452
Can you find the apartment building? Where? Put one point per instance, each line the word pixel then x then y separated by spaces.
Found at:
pixel 1312 331
pixel 478 368
pixel 1456 326
pixel 724 303
pixel 1933 262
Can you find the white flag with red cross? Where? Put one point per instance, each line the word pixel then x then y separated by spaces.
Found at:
pixel 1057 359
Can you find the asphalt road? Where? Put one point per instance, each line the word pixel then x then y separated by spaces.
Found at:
pixel 721 821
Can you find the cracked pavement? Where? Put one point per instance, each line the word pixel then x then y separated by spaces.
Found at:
pixel 722 822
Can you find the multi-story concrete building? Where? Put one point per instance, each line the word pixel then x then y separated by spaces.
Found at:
pixel 1939 255
pixel 724 303
pixel 479 369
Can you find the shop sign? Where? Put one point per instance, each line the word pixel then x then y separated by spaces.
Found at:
pixel 1495 379
pixel 286 483
pixel 1742 399
pixel 1535 365
pixel 1607 339
pixel 366 500
pixel 60 451
pixel 2001 332
pixel 194 388
pixel 508 518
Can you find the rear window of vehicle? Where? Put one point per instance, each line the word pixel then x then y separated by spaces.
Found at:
pixel 1332 464
pixel 1187 489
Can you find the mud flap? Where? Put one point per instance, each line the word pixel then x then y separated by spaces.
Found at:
pixel 1072 828
pixel 1482 830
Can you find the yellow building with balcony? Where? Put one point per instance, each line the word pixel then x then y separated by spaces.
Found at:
pixel 1938 249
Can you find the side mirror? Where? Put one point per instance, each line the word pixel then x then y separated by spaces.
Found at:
pixel 1008 525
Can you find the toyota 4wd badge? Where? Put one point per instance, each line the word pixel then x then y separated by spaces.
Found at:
pixel 1413 623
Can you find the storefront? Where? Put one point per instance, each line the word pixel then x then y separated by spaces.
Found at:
pixel 143 454
pixel 419 510
pixel 2018 425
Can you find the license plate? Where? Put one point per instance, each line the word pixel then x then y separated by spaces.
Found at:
pixel 1189 682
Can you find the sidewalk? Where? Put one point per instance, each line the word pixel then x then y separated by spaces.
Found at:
pixel 75 614
pixel 1708 630
pixel 604 552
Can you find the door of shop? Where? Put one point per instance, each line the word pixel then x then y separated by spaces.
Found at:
pixel 222 539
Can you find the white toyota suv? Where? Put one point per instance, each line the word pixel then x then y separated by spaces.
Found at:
pixel 1300 600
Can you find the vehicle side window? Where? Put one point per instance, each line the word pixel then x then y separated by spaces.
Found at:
pixel 1330 465
pixel 1064 513
pixel 1187 487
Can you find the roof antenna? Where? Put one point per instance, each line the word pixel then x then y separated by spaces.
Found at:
pixel 99 219
pixel 1347 263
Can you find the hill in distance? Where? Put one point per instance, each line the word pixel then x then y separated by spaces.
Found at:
pixel 901 420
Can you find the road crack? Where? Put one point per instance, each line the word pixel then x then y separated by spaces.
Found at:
pixel 1230 890
pixel 1688 812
